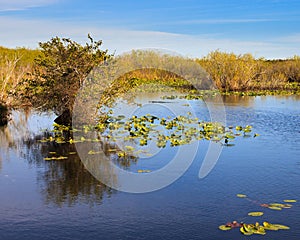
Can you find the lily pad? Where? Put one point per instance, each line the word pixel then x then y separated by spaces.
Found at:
pixel 275 208
pixel 241 195
pixel 290 200
pixel 55 158
pixel 255 214
pixel 280 205
pixel 274 227
pixel 246 230
pixel 224 228
pixel 281 227
pixel 92 152
pixel 143 171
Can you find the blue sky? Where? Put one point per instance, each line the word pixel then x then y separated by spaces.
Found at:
pixel 193 28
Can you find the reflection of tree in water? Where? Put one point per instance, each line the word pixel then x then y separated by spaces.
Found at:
pixel 11 135
pixel 64 181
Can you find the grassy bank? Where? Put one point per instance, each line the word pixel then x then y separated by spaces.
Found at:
pixel 231 73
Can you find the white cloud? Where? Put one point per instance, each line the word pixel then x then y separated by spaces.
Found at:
pixel 20 32
pixel 11 5
pixel 224 21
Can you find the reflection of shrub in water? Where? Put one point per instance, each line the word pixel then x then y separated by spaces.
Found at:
pixel 66 181
pixel 3 114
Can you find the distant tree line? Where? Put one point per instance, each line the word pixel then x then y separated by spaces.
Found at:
pixel 232 72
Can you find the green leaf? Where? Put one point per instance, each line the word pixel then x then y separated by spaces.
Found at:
pixel 281 227
pixel 241 195
pixel 143 171
pixel 224 228
pixel 290 201
pixel 256 135
pixel 239 128
pixel 255 214
pixel 246 230
pixel 275 208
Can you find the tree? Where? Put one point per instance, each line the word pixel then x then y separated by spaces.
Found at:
pixel 60 71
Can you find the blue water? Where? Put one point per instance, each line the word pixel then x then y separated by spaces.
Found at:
pixel 62 200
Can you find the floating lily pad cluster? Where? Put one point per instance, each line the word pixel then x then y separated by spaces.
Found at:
pixel 276 206
pixel 194 95
pixel 164 131
pixel 272 206
pixel 63 134
pixel 257 228
pixel 176 131
pixel 55 158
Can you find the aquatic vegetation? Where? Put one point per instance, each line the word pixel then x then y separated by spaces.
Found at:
pixel 290 200
pixel 180 130
pixel 193 94
pixel 55 158
pixel 255 214
pixel 274 227
pixel 92 152
pixel 143 130
pixel 272 206
pixel 276 206
pixel 257 228
pixel 241 195
pixel 249 229
pixel 143 171
pixel 253 228
pixel 224 227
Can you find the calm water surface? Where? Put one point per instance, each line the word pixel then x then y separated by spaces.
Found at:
pixel 62 200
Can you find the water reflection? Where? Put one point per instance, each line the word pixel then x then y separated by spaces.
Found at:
pixel 12 134
pixel 61 182
pixel 235 100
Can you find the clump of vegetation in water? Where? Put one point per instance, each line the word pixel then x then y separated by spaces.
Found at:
pixel 141 131
pixel 180 130
pixel 176 131
pixel 253 228
pixel 257 228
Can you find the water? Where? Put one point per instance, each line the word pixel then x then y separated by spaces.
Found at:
pixel 62 200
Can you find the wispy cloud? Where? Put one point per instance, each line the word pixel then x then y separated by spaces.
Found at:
pixel 294 38
pixel 224 21
pixel 15 5
pixel 20 32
